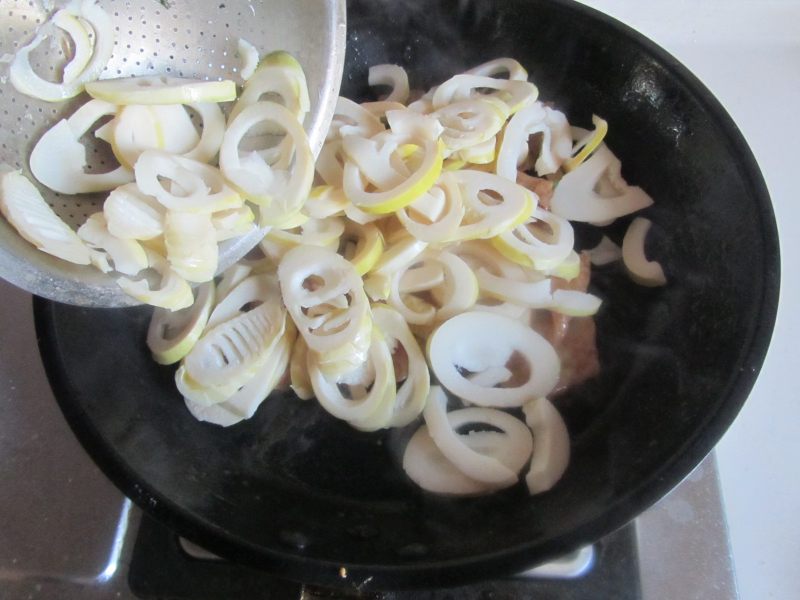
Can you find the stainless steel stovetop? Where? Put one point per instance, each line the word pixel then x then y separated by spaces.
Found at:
pixel 66 533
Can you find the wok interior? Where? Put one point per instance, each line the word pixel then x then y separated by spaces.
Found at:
pixel 296 490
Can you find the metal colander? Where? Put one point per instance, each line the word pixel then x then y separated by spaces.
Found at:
pixel 180 38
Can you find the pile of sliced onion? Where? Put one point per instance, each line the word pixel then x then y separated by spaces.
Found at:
pixel 169 202
pixel 408 253
pixel 417 255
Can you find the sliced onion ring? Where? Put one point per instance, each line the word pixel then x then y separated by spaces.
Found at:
pixel 394 76
pixel 58 160
pixel 473 464
pixel 642 270
pixel 477 341
pixel 551 447
pixel 172 334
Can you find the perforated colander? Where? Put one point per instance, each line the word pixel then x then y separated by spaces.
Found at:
pixel 182 38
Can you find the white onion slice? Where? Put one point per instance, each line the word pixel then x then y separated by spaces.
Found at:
pixel 379 108
pixel 202 187
pixel 212 132
pixel 128 255
pixel 171 335
pixel 244 402
pixel 139 128
pixel 575 303
pixel 88 60
pixel 412 392
pixel 473 464
pixel 313 232
pixel 428 468
pixel 425 464
pixel 311 277
pixel 81 43
pixel 551 448
pixel 495 67
pixel 477 341
pixel 529 245
pixel 249 56
pixel 58 159
pixel 399 188
pixel 575 197
pixel 456 292
pixel 130 214
pixel 23 206
pixel 376 159
pixel 362 245
pixel 243 293
pixel 173 293
pixel 330 163
pixel 485 216
pixel 229 352
pixel 369 411
pixel 191 243
pixel 643 271
pixel 556 142
pixel 160 89
pixel 233 222
pixel 278 77
pixel 298 370
pixel 535 294
pixel 393 76
pixel 437 228
pixel 350 118
pixel 514 93
pixel 279 191
pixel 470 123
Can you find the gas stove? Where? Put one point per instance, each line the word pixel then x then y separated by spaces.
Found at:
pixel 67 533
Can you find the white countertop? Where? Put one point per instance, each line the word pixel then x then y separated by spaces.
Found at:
pixel 748 53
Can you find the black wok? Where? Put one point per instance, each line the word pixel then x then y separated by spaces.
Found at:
pixel 301 494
